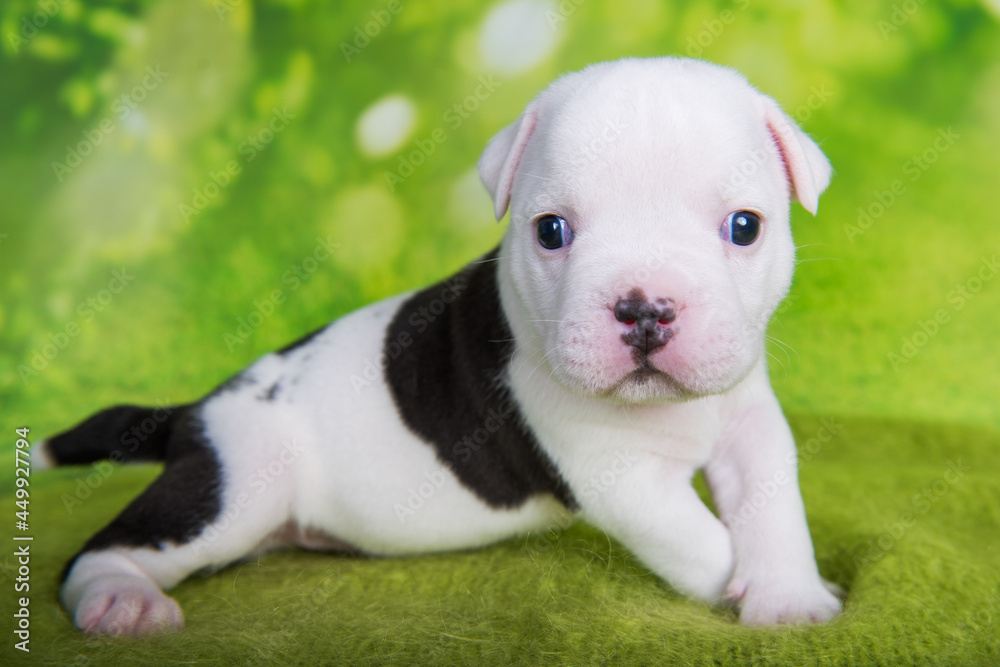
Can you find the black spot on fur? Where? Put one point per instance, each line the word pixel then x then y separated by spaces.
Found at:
pixel 301 341
pixel 235 383
pixel 448 348
pixel 178 504
pixel 270 394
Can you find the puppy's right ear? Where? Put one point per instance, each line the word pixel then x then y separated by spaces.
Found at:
pixel 499 161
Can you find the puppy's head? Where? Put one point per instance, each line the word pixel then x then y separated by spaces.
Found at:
pixel 649 239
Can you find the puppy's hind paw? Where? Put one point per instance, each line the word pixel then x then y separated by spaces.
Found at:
pixel 125 605
pixel 40 456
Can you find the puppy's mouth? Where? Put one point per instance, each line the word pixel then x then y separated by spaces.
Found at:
pixel 646 382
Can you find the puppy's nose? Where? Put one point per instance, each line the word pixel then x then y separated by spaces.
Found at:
pixel 649 323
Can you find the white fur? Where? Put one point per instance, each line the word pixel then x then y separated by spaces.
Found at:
pixel 41 457
pixel 642 157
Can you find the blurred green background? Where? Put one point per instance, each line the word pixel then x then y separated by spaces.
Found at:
pixel 874 94
pixel 186 185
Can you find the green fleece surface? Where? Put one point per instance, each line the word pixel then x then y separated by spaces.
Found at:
pixel 188 241
pixel 916 550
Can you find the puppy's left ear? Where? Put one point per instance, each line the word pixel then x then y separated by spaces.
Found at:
pixel 808 169
pixel 499 161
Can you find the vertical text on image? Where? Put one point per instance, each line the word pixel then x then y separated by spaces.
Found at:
pixel 22 553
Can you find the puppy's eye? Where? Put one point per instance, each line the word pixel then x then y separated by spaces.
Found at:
pixel 741 227
pixel 553 232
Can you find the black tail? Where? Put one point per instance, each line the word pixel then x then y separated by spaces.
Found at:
pixel 124 433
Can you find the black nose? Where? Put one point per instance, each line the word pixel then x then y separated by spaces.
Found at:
pixel 648 322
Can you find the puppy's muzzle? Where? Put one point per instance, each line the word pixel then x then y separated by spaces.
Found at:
pixel 649 324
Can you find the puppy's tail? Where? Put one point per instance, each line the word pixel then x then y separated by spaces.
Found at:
pixel 124 433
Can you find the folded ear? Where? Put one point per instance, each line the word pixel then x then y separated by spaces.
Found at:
pixel 808 169
pixel 499 161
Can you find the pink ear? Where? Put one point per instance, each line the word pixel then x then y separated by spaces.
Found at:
pixel 808 169
pixel 499 161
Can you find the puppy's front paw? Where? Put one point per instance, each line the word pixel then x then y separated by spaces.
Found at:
pixel 785 604
pixel 124 605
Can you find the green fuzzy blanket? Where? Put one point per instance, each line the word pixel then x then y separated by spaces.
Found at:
pixel 904 517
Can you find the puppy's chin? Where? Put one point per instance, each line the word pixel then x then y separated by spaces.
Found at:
pixel 644 384
pixel 649 385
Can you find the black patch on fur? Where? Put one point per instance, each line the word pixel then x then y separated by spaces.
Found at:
pixel 123 434
pixel 271 392
pixel 448 348
pixel 301 341
pixel 235 383
pixel 178 504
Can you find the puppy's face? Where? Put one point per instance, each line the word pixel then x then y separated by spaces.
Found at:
pixel 649 240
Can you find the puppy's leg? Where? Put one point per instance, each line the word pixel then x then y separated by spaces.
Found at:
pixel 653 510
pixel 184 522
pixel 754 482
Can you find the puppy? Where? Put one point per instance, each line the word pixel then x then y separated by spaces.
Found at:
pixel 612 345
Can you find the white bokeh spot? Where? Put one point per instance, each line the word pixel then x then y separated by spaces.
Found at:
pixel 386 125
pixel 136 123
pixel 518 34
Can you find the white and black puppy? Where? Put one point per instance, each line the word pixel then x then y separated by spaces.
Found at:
pixel 612 345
